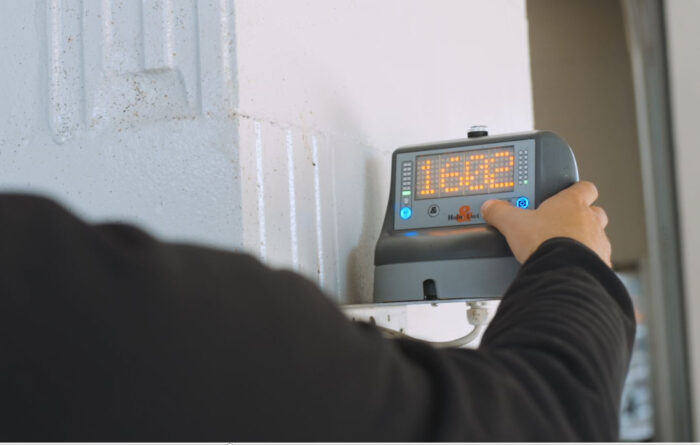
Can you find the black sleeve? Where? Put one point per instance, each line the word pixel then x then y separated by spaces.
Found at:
pixel 109 335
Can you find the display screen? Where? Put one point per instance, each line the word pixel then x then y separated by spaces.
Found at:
pixel 473 172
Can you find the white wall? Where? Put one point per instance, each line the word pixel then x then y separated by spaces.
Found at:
pixel 121 111
pixel 255 124
pixel 683 40
pixel 355 80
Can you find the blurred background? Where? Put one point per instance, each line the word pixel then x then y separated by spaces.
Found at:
pixel 267 126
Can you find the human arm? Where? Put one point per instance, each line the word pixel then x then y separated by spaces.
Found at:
pixel 109 334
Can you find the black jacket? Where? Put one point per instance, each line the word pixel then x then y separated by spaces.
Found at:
pixel 107 334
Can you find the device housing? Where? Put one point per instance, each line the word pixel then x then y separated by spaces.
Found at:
pixel 454 255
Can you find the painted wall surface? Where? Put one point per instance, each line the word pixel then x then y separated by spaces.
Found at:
pixel 259 125
pixel 683 40
pixel 347 83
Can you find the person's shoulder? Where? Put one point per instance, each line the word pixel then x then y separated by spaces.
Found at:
pixel 28 205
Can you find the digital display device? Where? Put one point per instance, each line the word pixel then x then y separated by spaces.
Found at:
pixel 474 172
pixel 434 243
pixel 446 187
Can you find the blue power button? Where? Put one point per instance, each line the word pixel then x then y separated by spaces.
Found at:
pixel 522 202
pixel 406 213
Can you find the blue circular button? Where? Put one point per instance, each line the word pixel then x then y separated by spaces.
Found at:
pixel 522 202
pixel 406 213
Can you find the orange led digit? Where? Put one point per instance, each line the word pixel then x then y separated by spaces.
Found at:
pixel 425 174
pixel 450 175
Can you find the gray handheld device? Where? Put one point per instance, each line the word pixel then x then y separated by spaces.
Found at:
pixel 434 244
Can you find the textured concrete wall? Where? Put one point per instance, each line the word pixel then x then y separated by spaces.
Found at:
pixel 121 110
pixel 258 125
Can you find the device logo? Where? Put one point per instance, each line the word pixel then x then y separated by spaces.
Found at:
pixel 464 215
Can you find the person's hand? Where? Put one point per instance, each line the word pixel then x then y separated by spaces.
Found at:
pixel 569 213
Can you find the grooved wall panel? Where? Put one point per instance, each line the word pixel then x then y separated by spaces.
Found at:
pixel 289 206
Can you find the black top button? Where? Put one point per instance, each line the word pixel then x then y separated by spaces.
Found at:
pixel 477 131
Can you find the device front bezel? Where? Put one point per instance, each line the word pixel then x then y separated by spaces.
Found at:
pixel 449 207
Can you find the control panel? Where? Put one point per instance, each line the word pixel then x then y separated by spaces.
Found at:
pixel 446 187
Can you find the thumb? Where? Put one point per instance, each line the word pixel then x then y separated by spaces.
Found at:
pixel 500 214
